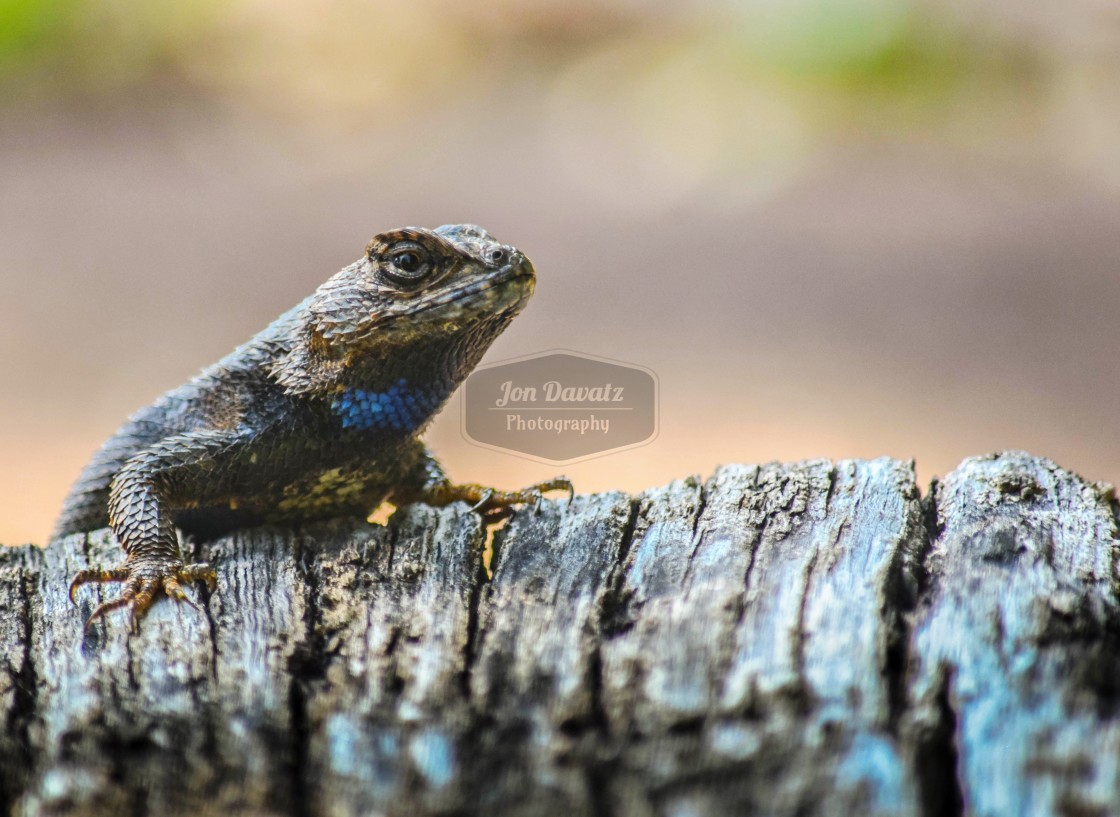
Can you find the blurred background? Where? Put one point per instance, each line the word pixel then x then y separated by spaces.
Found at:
pixel 833 228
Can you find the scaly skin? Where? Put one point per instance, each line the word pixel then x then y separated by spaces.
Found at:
pixel 317 416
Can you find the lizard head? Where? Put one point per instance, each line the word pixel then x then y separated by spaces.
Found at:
pixel 449 276
pixel 415 292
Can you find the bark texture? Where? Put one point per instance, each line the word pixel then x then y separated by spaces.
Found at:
pixel 807 639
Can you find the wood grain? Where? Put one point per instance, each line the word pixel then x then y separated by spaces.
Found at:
pixel 806 639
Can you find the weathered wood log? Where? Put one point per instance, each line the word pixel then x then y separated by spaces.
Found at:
pixel 809 639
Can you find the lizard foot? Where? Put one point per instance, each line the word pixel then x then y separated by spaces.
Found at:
pixel 495 505
pixel 143 583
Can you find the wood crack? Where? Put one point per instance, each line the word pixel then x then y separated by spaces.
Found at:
pixel 628 656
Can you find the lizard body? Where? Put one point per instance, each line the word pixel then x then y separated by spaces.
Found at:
pixel 317 416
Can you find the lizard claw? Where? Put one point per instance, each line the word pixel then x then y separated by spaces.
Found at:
pixel 556 484
pixel 492 504
pixel 493 501
pixel 175 591
pixel 535 497
pixel 107 607
pixel 487 495
pixel 141 590
pixel 199 572
pixel 117 574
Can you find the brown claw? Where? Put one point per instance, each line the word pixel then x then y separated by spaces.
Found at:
pixel 557 484
pixel 123 600
pixel 117 574
pixel 538 491
pixel 107 607
pixel 175 590
pixel 200 572
pixel 140 594
pixel 143 600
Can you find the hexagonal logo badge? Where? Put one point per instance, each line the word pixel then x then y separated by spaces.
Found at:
pixel 560 407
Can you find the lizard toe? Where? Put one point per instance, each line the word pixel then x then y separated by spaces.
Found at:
pixel 198 572
pixel 145 583
pixel 123 600
pixel 173 590
pixel 115 574
pixel 144 599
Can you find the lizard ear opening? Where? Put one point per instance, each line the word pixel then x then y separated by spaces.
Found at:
pixel 324 332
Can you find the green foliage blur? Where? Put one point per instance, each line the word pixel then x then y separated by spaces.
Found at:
pixel 67 46
pixel 349 56
pixel 696 90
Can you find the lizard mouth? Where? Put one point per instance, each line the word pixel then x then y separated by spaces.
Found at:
pixel 521 272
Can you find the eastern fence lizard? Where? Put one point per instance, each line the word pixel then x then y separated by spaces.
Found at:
pixel 317 416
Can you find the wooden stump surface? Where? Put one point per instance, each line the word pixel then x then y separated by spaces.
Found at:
pixel 806 639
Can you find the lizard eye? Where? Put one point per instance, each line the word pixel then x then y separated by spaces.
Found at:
pixel 407 264
pixel 406 261
pixel 496 256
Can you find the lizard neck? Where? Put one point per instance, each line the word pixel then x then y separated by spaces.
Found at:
pixel 400 407
pixel 404 390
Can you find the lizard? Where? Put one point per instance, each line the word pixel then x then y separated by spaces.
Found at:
pixel 317 416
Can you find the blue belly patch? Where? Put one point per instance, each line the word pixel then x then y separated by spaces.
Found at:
pixel 395 409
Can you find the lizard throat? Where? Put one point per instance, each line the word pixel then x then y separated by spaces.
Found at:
pixel 397 408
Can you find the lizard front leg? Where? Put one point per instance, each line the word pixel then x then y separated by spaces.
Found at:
pixel 144 496
pixel 427 482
